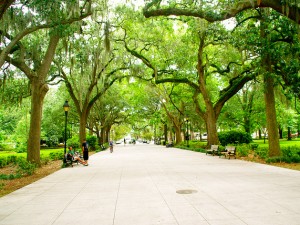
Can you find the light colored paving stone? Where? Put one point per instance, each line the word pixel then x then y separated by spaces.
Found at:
pixel 139 184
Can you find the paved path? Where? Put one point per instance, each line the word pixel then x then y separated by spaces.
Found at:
pixel 138 185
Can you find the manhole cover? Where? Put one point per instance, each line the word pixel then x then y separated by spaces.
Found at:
pixel 186 191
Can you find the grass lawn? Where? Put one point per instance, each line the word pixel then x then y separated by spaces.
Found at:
pixel 44 152
pixel 282 142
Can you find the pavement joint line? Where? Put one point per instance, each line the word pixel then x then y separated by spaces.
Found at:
pixel 71 200
pixel 163 197
pixel 120 179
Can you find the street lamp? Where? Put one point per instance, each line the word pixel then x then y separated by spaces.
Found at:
pixel 187 132
pixel 66 109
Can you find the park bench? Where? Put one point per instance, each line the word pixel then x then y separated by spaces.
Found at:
pixel 213 150
pixel 228 152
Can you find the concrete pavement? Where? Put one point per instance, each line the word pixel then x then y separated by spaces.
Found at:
pixel 145 184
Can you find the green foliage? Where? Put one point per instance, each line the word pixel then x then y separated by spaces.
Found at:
pixel 3 162
pixel 21 147
pixel 195 146
pixel 9 176
pixel 234 137
pixel 92 141
pixel 262 152
pixel 291 154
pixel 45 160
pixel 25 167
pixel 254 146
pixel 57 155
pixel 12 159
pixel 5 147
pixel 74 142
pixel 243 150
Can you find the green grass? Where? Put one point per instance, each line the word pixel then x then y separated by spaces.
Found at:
pixel 282 142
pixel 46 155
pixel 44 152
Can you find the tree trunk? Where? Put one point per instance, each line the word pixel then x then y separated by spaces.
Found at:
pixel 82 127
pixel 247 124
pixel 178 136
pixel 107 134
pixel 272 127
pixel 259 134
pixel 289 136
pixel 102 136
pixel 280 132
pixel 274 147
pixel 39 91
pixel 165 133
pixel 211 127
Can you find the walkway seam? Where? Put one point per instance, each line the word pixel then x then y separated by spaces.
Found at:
pixel 117 196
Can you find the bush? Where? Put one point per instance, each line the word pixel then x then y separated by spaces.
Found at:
pixel 254 146
pixel 291 154
pixel 262 152
pixel 92 141
pixel 74 142
pixel 243 150
pixel 57 155
pixel 21 147
pixel 12 159
pixel 3 161
pixel 234 137
pixel 25 167
pixel 9 176
pixel 45 160
pixel 6 146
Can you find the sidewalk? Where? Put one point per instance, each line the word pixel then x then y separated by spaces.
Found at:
pixel 146 184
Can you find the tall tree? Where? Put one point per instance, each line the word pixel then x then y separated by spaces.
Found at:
pixel 175 61
pixel 35 62
pixel 89 68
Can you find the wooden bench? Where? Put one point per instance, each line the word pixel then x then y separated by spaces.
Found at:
pixel 228 152
pixel 213 150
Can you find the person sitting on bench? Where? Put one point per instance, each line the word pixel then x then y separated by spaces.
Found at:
pixel 76 157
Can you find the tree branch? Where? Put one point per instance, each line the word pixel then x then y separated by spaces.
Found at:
pixel 30 30
pixel 174 80
pixel 230 12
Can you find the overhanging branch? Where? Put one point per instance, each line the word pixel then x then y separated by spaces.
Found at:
pixel 233 10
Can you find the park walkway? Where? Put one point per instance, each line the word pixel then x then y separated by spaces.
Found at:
pixel 145 184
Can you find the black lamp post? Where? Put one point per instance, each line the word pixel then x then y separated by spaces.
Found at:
pixel 187 132
pixel 66 109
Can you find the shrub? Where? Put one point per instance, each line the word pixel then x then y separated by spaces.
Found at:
pixel 25 167
pixel 9 176
pixel 92 141
pixel 57 155
pixel 274 159
pixel 20 148
pixel 254 146
pixel 262 152
pixel 11 159
pixel 45 160
pixel 234 137
pixel 3 161
pixel 7 146
pixel 243 150
pixel 291 154
pixel 74 142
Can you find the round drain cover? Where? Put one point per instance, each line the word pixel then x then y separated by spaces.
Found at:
pixel 188 191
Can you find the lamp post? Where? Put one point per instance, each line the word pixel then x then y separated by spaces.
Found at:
pixel 187 132
pixel 66 109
